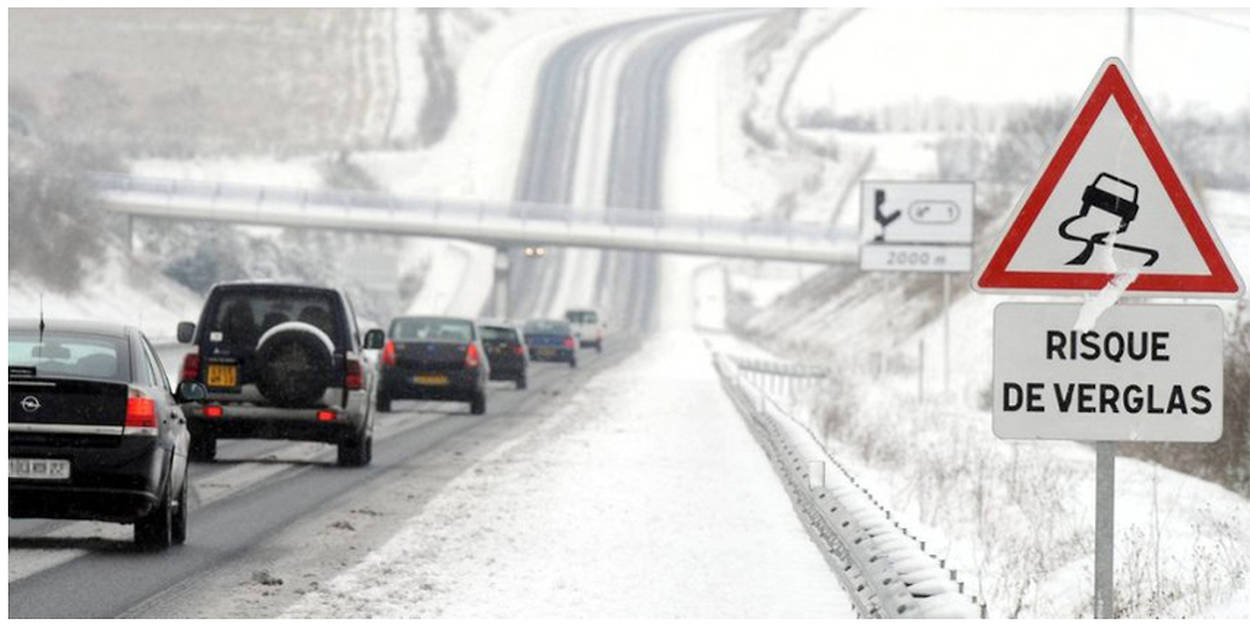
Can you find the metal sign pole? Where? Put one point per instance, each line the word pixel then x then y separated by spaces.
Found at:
pixel 946 333
pixel 1104 531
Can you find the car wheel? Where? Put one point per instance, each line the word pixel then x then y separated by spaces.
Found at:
pixel 356 453
pixel 203 448
pixel 521 382
pixel 384 402
pixel 179 529
pixel 155 531
pixel 478 404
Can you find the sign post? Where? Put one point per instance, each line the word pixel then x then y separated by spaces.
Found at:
pixel 1108 214
pixel 918 226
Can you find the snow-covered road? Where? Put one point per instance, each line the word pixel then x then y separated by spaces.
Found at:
pixel 643 496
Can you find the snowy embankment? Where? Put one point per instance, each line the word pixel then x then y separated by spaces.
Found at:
pixel 1016 517
pixel 116 290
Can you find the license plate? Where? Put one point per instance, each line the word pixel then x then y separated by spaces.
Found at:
pixel 546 351
pixel 431 380
pixel 226 376
pixel 38 469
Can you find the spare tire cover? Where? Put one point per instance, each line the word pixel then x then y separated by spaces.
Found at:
pixel 293 364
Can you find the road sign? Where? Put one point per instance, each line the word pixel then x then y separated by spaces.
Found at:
pixel 915 226
pixel 1108 200
pixel 1143 373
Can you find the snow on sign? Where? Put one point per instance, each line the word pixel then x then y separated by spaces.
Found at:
pixel 1142 373
pixel 1110 200
pixel 915 226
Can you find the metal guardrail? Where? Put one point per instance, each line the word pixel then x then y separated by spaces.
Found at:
pixel 263 194
pixel 882 566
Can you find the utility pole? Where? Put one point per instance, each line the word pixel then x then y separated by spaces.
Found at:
pixel 1128 38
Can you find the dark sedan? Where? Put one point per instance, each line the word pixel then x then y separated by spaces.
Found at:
pixel 551 339
pixel 439 358
pixel 505 349
pixel 95 432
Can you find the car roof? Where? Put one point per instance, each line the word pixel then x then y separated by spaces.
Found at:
pixel 283 284
pixel 438 317
pixel 73 325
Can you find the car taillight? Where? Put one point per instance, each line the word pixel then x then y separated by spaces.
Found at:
pixel 471 359
pixel 388 354
pixel 140 415
pixel 325 415
pixel 520 350
pixel 213 411
pixel 568 342
pixel 191 367
pixel 355 376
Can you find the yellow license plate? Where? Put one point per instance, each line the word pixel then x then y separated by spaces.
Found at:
pixel 432 380
pixel 546 351
pixel 226 376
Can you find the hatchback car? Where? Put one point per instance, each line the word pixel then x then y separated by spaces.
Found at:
pixel 437 358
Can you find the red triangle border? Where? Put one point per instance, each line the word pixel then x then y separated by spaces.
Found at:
pixel 1110 84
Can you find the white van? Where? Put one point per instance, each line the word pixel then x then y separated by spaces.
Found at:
pixel 588 327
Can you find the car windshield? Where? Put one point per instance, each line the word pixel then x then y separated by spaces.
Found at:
pixel 71 355
pixel 431 329
pixel 494 333
pixel 241 317
pixel 582 316
pixel 545 326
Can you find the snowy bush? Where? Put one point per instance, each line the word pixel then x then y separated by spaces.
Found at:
pixel 55 221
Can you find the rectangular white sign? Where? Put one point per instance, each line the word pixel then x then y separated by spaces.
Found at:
pixel 915 212
pixel 888 257
pixel 915 226
pixel 1143 373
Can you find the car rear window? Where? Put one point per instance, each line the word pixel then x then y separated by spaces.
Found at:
pixel 582 316
pixel 63 354
pixel 544 326
pixel 492 333
pixel 431 329
pixel 240 317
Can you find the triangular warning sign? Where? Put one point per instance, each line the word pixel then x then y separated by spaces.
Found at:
pixel 1109 200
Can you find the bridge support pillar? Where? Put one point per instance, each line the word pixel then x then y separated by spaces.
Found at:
pixel 502 268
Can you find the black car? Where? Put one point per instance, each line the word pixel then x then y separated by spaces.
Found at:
pixel 505 349
pixel 280 361
pixel 438 358
pixel 95 432
pixel 551 339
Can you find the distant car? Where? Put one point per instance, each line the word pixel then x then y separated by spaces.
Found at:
pixel 95 432
pixel 505 349
pixel 439 358
pixel 280 361
pixel 588 327
pixel 551 339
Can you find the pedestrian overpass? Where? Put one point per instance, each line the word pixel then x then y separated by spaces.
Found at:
pixel 501 224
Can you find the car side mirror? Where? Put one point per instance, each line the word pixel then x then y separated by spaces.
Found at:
pixel 375 339
pixel 186 331
pixel 190 391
